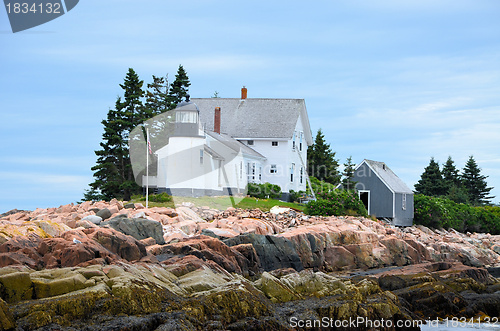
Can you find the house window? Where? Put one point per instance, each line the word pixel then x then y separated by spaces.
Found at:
pixel 250 142
pixel 249 177
pixel 293 141
pixel 301 174
pixel 201 156
pixel 260 174
pixel 274 143
pixel 404 202
pixel 274 169
pixel 292 169
pixel 253 171
pixel 300 141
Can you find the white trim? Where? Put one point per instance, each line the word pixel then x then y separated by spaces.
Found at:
pixel 253 138
pixel 369 198
pixel 393 205
pixel 372 170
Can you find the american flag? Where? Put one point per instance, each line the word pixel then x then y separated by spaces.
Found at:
pixel 149 146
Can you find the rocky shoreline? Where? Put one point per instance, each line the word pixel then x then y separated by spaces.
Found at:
pixel 110 266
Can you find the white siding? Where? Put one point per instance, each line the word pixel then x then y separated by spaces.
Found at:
pixel 283 156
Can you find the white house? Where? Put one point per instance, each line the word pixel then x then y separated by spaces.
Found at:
pixel 221 144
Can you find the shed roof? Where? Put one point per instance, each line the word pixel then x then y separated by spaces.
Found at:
pixel 390 179
pixel 256 118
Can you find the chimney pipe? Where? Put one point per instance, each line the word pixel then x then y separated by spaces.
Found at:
pixel 243 93
pixel 217 120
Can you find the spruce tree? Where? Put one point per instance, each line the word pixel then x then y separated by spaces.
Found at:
pixel 113 172
pixel 455 190
pixel 157 97
pixel 475 183
pixel 321 162
pixel 450 174
pixel 431 181
pixel 347 182
pixel 179 88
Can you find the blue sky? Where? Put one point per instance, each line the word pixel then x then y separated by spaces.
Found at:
pixel 393 81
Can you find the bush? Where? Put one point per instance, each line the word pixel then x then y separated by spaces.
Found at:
pixel 443 213
pixel 264 191
pixel 162 197
pixel 295 196
pixel 337 203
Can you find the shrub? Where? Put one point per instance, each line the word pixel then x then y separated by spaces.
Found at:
pixel 264 191
pixel 295 196
pixel 444 213
pixel 337 203
pixel 162 197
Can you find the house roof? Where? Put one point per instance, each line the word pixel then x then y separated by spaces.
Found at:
pixel 256 118
pixel 234 144
pixel 390 179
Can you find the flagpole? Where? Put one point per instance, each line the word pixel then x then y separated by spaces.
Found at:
pixel 147 167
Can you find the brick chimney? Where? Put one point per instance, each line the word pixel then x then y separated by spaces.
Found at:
pixel 217 120
pixel 243 93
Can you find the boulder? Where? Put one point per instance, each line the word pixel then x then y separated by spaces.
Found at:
pixel 7 321
pixel 273 252
pixel 16 286
pixel 45 288
pixel 116 242
pixel 275 290
pixel 95 219
pixel 105 213
pixel 139 228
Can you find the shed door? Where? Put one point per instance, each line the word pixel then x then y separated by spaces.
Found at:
pixel 364 196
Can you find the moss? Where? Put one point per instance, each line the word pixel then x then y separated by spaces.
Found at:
pixel 35 320
pixel 16 286
pixel 229 305
pixel 274 289
pixel 6 318
pixel 48 288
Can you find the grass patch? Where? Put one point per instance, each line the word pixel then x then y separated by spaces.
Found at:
pixel 223 203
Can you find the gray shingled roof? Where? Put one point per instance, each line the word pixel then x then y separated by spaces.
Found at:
pixel 254 118
pixel 389 177
pixel 234 144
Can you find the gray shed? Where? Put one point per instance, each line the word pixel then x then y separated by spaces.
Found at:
pixel 383 193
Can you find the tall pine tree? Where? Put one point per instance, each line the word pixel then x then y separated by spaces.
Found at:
pixel 179 88
pixel 157 97
pixel 475 183
pixel 321 162
pixel 455 190
pixel 113 172
pixel 431 182
pixel 450 174
pixel 348 174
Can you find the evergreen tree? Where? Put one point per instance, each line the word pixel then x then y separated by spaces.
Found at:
pixel 347 182
pixel 475 183
pixel 450 174
pixel 321 162
pixel 113 172
pixel 455 190
pixel 431 182
pixel 179 87
pixel 157 97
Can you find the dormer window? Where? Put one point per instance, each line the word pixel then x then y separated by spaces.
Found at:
pixel 250 142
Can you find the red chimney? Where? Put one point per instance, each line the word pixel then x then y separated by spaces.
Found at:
pixel 243 93
pixel 217 120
